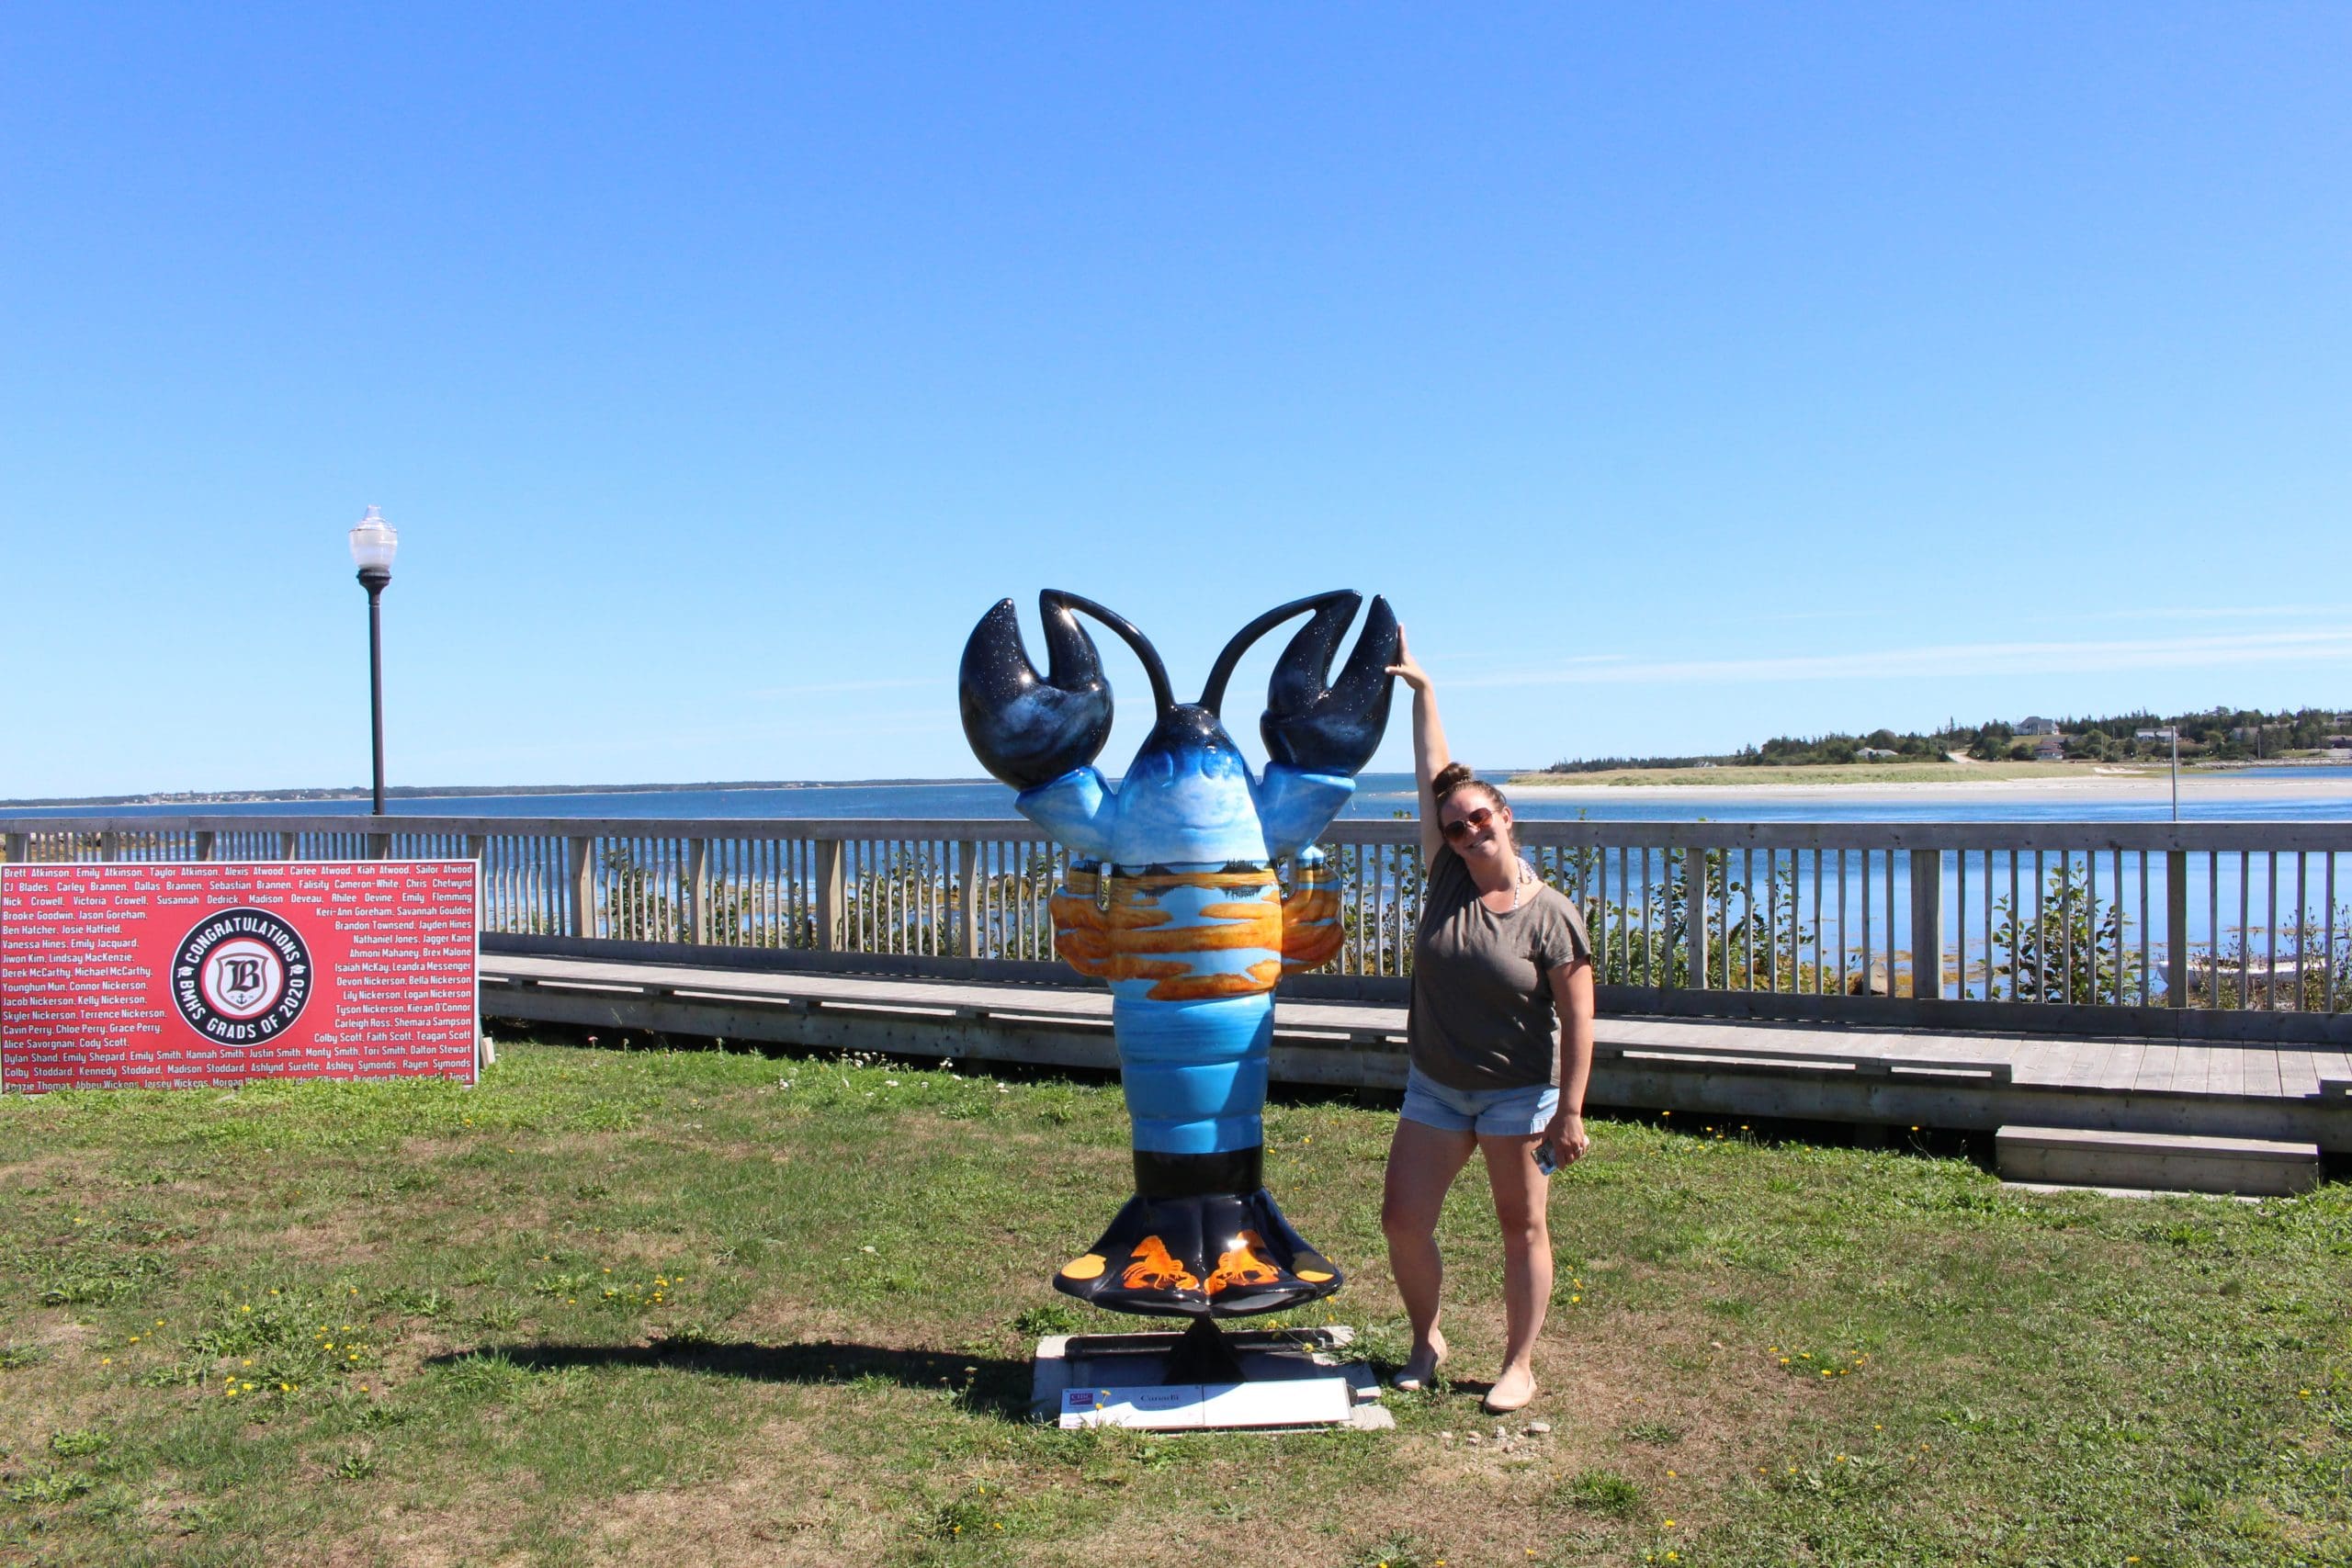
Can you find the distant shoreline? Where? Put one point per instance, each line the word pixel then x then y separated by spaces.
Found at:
pixel 457 792
pixel 2154 784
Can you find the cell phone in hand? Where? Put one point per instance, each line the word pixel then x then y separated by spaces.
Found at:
pixel 1545 1160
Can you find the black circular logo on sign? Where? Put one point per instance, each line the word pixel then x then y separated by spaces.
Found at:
pixel 240 976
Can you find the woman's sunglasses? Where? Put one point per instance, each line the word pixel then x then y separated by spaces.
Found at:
pixel 1456 831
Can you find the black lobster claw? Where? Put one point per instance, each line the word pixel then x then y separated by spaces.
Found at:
pixel 1027 730
pixel 1332 729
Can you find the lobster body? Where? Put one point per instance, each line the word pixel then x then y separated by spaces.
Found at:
pixel 1173 900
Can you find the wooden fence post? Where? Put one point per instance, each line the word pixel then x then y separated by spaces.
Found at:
pixel 967 898
pixel 2176 928
pixel 698 922
pixel 1926 925
pixel 290 845
pixel 833 894
pixel 205 840
pixel 19 846
pixel 1694 914
pixel 477 851
pixel 583 886
pixel 110 846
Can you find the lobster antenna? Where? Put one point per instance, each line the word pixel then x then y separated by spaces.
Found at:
pixel 1163 697
pixel 1213 694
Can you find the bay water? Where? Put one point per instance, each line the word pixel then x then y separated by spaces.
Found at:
pixel 1378 796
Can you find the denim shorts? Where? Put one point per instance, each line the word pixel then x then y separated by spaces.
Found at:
pixel 1490 1113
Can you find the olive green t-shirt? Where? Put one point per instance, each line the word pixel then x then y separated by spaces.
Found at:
pixel 1482 1015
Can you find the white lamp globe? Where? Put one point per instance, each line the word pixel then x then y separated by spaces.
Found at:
pixel 373 543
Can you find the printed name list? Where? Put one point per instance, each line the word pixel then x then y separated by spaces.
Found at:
pixel 174 977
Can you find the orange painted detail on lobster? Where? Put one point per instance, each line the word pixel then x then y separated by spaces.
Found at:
pixel 1154 1268
pixel 1243 1265
pixel 1138 937
pixel 1312 935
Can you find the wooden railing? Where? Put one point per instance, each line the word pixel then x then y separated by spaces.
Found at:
pixel 2218 929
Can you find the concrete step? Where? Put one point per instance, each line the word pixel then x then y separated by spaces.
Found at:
pixel 2170 1161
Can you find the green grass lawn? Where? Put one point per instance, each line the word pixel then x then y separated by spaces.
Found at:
pixel 696 1308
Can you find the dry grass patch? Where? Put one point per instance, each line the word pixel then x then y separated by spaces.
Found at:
pixel 787 1500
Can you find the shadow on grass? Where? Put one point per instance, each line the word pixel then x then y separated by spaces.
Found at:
pixel 995 1386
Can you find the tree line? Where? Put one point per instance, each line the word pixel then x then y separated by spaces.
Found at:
pixel 2216 735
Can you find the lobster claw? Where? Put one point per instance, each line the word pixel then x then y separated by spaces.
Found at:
pixel 1025 730
pixel 1335 729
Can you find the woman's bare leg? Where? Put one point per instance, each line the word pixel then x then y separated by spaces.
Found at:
pixel 1422 1163
pixel 1520 1192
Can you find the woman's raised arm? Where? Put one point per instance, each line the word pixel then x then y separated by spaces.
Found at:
pixel 1429 755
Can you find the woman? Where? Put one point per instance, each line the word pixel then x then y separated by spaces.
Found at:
pixel 1499 956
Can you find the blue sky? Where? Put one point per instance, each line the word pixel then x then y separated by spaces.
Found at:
pixel 1684 374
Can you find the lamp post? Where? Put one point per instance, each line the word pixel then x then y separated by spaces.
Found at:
pixel 373 544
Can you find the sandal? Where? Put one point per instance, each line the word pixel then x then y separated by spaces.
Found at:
pixel 1404 1383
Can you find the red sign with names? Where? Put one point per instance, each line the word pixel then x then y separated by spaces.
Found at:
pixel 169 975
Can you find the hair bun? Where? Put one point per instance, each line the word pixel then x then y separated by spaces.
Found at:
pixel 1450 777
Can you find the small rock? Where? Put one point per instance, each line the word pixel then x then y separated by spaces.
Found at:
pixel 1714 1344
pixel 1499 1433
pixel 1475 1438
pixel 1539 1428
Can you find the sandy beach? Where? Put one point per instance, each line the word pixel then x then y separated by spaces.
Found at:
pixel 2154 786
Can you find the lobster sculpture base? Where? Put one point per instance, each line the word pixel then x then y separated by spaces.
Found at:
pixel 1207 1379
pixel 1225 1252
pixel 1174 898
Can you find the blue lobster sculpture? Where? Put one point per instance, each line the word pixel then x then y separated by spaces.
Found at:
pixel 1171 898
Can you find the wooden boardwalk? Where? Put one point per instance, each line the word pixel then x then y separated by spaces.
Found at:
pixel 1866 1077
